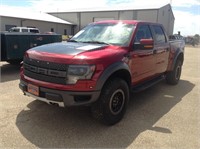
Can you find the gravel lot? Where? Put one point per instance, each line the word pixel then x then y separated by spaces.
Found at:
pixel 162 116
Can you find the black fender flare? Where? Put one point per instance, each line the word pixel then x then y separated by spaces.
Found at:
pixel 109 71
pixel 177 54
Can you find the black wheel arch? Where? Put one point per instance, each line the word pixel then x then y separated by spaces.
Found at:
pixel 119 70
pixel 178 56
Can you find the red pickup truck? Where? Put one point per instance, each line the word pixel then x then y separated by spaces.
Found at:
pixel 100 65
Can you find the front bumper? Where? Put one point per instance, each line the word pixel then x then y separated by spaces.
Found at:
pixel 61 98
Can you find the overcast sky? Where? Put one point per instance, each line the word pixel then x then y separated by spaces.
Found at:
pixel 186 12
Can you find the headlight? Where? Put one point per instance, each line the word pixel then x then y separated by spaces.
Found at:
pixel 78 72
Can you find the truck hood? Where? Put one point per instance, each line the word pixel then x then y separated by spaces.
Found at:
pixel 72 51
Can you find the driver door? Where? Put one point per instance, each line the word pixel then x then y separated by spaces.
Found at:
pixel 142 60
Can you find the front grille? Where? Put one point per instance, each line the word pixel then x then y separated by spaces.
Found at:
pixel 45 71
pixel 45 64
pixel 45 78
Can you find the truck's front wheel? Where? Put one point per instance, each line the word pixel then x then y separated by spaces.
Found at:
pixel 111 106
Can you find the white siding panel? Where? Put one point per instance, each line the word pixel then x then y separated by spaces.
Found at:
pixel 8 21
pixel 126 15
pixel 89 17
pixel 101 19
pixel 165 17
pixel 71 16
pixel 42 26
pixel 46 26
pixel 147 15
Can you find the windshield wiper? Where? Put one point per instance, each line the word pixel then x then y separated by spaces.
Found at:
pixel 98 42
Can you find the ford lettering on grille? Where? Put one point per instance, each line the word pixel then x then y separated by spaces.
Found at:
pixel 44 71
pixel 45 64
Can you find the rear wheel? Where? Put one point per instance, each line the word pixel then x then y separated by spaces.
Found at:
pixel 173 77
pixel 111 106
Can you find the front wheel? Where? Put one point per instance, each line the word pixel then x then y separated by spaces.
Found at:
pixel 111 106
pixel 173 77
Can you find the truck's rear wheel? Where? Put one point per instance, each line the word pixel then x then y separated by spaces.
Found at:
pixel 111 106
pixel 173 77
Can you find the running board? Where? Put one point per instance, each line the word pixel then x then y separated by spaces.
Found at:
pixel 147 84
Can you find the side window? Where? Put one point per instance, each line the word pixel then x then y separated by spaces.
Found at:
pixel 34 31
pixel 159 34
pixel 24 30
pixel 143 32
pixel 16 30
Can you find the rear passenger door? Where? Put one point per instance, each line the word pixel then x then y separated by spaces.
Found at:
pixel 161 48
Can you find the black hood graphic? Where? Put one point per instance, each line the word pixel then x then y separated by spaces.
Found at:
pixel 68 48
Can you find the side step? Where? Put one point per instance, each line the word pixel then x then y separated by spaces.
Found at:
pixel 147 84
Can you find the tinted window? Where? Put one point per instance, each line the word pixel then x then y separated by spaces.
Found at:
pixel 24 30
pixel 34 31
pixel 15 30
pixel 143 32
pixel 159 34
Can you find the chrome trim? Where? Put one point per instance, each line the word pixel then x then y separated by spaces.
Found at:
pixel 60 104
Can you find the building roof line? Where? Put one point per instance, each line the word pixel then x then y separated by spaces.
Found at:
pixel 121 8
pixel 39 16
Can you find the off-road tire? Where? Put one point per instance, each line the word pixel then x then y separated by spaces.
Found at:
pixel 173 77
pixel 111 106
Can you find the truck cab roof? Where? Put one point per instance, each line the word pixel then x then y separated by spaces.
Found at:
pixel 125 21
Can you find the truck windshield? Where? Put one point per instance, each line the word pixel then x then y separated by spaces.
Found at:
pixel 116 34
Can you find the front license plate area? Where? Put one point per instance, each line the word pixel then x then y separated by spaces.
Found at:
pixel 33 89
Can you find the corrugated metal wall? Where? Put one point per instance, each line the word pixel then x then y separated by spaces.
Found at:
pixel 164 15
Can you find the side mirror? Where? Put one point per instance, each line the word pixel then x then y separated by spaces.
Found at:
pixel 144 44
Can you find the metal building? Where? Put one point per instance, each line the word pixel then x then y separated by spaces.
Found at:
pixel 44 22
pixel 160 14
